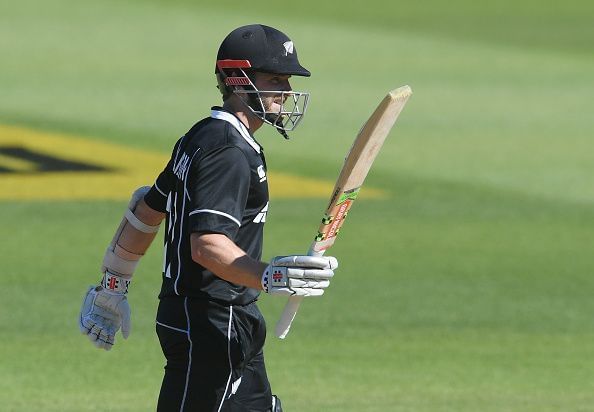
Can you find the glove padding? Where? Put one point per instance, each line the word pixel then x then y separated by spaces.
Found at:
pixel 101 316
pixel 298 275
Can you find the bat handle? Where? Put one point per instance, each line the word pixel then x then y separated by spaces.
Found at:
pixel 284 323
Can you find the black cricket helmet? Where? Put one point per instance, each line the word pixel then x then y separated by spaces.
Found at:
pixel 260 48
pixel 266 49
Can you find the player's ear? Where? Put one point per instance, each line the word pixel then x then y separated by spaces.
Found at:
pixel 225 90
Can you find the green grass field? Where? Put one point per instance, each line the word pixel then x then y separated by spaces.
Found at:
pixel 467 288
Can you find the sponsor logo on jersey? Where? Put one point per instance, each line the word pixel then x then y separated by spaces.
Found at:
pixel 261 173
pixel 261 217
pixel 235 385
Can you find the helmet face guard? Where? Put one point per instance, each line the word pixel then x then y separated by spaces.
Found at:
pixel 291 109
pixel 292 104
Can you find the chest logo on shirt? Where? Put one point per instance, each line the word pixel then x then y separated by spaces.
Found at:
pixel 261 173
pixel 261 217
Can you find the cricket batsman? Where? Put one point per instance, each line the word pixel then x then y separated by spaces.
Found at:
pixel 213 196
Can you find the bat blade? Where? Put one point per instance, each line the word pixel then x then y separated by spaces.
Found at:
pixel 356 166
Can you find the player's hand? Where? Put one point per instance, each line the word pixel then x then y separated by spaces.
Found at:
pixel 298 275
pixel 102 314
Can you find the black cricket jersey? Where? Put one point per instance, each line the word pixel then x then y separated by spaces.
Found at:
pixel 215 182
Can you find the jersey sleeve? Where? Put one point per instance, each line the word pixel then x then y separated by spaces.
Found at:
pixel 156 198
pixel 218 191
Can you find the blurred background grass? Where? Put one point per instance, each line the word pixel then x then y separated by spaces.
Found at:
pixel 467 288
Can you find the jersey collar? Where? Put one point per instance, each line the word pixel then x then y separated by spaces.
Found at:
pixel 215 113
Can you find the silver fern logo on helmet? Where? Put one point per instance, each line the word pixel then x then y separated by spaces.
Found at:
pixel 288 45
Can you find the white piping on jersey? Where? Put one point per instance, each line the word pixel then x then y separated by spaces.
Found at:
pixel 173 236
pixel 189 355
pixel 181 224
pixel 186 175
pixel 184 178
pixel 181 140
pixel 166 264
pixel 235 122
pixel 172 219
pixel 229 357
pixel 216 212
pixel 159 190
pixel 171 327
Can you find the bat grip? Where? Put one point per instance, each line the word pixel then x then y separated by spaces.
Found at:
pixel 292 306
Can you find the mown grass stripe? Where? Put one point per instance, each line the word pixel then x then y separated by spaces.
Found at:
pixel 114 171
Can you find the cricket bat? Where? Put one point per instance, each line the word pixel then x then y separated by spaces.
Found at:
pixel 354 170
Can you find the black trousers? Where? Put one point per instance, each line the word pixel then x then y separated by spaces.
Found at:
pixel 214 357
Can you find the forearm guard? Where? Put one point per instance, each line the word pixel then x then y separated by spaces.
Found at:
pixel 117 260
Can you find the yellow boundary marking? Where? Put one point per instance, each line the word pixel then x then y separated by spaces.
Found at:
pixel 130 168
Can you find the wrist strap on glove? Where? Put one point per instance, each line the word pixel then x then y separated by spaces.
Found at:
pixel 115 284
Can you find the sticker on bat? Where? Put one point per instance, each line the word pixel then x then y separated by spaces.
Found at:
pixel 348 195
pixel 339 213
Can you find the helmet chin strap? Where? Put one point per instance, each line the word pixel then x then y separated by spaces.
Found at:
pixel 278 122
pixel 283 133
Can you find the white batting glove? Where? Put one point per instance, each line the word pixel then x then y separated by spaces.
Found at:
pixel 104 310
pixel 298 275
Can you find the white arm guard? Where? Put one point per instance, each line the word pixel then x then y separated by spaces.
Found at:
pixel 117 260
pixel 105 307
